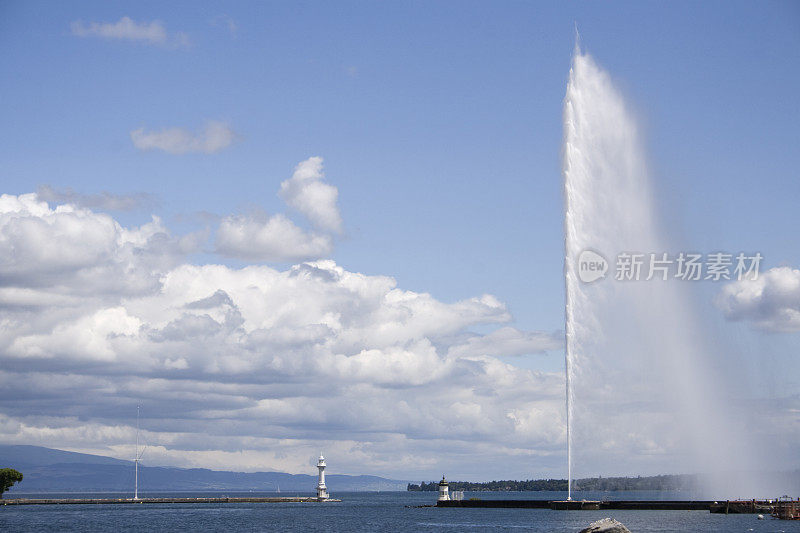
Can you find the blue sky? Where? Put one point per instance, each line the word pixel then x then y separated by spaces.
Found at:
pixel 439 124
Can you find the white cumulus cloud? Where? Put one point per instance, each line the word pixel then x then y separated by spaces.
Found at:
pixel 262 238
pixel 127 29
pixel 306 192
pixel 42 247
pixel 771 302
pixel 214 137
pixel 259 237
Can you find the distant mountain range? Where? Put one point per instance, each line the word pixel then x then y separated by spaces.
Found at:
pixel 50 470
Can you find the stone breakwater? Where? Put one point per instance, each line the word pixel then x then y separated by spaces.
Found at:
pixel 100 501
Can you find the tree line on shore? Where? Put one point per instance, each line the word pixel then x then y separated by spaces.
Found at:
pixel 662 482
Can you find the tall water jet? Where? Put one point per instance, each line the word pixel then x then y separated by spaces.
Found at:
pixel 640 396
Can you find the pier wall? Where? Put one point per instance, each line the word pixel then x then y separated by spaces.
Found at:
pixel 105 501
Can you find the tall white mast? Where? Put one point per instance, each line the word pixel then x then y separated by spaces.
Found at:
pixel 136 460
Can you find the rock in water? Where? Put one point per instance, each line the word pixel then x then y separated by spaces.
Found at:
pixel 606 525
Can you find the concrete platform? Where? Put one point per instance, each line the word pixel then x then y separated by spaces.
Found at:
pixel 576 505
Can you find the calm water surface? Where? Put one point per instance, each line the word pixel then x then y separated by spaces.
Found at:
pixel 370 511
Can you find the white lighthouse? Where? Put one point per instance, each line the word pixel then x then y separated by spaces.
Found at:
pixel 444 490
pixel 322 490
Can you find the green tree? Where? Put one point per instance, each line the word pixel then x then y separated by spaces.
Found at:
pixel 8 476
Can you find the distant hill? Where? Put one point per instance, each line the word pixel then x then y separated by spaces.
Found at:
pixel 37 455
pixel 50 470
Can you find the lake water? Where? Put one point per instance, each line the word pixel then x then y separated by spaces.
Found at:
pixel 362 511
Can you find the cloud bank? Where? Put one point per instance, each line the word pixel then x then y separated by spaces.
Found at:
pixel 214 137
pixel 250 368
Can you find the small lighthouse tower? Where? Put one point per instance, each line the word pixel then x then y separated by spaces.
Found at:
pixel 322 490
pixel 444 490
